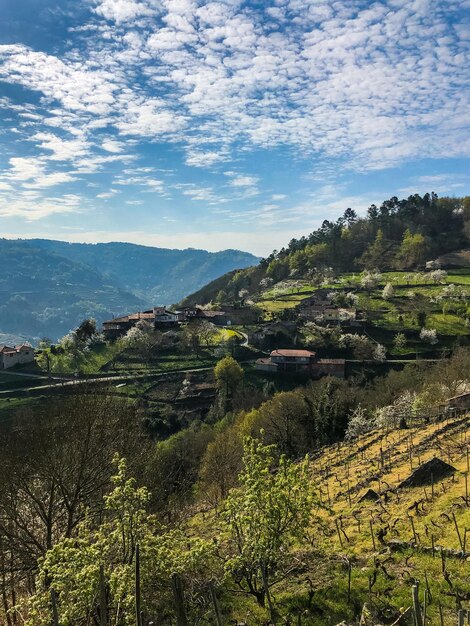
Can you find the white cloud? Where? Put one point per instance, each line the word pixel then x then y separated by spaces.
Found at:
pixel 374 84
pixel 49 180
pixel 244 181
pixel 149 118
pixel 32 208
pixel 121 11
pixel 197 158
pixel 111 145
pixel 197 193
pixel 24 168
pixel 370 85
pixel 107 194
pixel 62 149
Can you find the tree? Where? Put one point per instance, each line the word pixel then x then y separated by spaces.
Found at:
pixel 380 353
pixel 449 377
pixel 398 412
pixel 438 276
pixel 362 347
pixel 228 375
pixel 412 251
pixel 143 339
pixel 221 464
pixel 399 341
pixel 86 330
pixel 421 318
pixel 264 516
pixel 72 567
pixel 173 467
pixel 359 423
pixel 375 255
pixel 194 332
pixel 388 291
pixel 282 419
pixel 429 335
pixel 56 465
pixel 370 280
pixel 207 332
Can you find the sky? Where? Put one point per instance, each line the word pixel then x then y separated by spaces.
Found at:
pixel 225 124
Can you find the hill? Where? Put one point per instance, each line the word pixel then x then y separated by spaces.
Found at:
pixel 398 235
pixel 48 287
pixel 376 536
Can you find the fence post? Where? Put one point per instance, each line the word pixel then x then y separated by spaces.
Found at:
pixel 416 607
pixel 55 614
pixel 138 616
pixel 178 595
pixel 218 615
pixel 103 603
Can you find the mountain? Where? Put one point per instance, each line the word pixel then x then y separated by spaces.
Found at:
pixel 48 287
pixel 158 275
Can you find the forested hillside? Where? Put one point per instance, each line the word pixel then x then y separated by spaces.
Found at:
pixel 159 275
pixel 398 234
pixel 43 293
pixel 48 287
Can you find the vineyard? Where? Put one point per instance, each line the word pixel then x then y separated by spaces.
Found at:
pixel 394 519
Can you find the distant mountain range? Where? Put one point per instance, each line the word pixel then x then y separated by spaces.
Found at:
pixel 47 287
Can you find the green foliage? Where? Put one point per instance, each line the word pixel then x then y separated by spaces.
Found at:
pixel 402 233
pixel 173 468
pixel 283 420
pixel 228 374
pixel 71 567
pixel 412 251
pixel 86 329
pixel 220 465
pixel 375 256
pixel 265 516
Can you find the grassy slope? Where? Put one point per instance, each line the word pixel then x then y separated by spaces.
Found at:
pixel 341 474
pixel 384 315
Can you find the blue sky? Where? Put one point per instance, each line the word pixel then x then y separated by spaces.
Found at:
pixel 182 123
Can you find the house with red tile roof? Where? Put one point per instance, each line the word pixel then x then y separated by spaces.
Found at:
pixel 301 362
pixel 161 317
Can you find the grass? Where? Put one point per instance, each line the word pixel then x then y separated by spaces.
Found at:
pixel 90 362
pixel 164 362
pixel 9 378
pixel 447 324
pixel 277 305
pixel 9 406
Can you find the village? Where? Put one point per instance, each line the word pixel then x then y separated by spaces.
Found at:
pixel 275 340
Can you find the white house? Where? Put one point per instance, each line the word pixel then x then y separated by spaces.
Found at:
pixel 163 316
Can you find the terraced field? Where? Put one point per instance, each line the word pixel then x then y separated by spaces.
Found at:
pixel 370 551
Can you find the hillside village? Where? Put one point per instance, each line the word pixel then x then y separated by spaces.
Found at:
pixel 298 327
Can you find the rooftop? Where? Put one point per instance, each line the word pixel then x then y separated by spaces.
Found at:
pixel 292 353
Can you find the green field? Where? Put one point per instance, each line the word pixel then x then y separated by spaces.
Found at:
pixel 414 293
